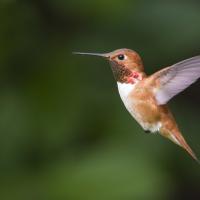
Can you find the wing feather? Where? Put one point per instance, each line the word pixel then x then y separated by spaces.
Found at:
pixel 172 80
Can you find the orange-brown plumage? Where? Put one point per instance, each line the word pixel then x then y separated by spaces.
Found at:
pixel 145 104
pixel 145 97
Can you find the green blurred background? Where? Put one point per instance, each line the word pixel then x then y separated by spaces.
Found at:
pixel 64 132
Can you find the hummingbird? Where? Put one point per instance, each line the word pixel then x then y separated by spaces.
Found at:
pixel 146 96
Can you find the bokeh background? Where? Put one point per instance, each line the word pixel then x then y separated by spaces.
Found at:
pixel 64 132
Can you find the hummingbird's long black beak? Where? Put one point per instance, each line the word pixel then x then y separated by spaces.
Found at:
pixel 104 55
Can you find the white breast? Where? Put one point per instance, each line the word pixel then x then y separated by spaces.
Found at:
pixel 124 91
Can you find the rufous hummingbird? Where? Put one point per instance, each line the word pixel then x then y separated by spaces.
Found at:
pixel 145 97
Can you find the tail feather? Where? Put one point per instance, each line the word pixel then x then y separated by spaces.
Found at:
pixel 178 139
pixel 181 142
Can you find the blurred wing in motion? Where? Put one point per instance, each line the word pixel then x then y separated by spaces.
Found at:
pixel 174 79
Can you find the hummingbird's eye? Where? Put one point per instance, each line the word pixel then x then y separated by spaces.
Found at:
pixel 120 57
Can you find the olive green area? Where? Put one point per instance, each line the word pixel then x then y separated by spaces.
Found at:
pixel 64 132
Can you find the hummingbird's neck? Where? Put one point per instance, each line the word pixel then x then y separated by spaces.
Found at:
pixel 123 74
pixel 134 77
pixel 128 76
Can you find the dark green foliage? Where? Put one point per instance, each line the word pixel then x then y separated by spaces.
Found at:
pixel 64 133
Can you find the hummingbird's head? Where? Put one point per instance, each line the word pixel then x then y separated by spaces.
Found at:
pixel 126 64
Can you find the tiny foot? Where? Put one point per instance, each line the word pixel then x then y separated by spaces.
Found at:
pixel 147 131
